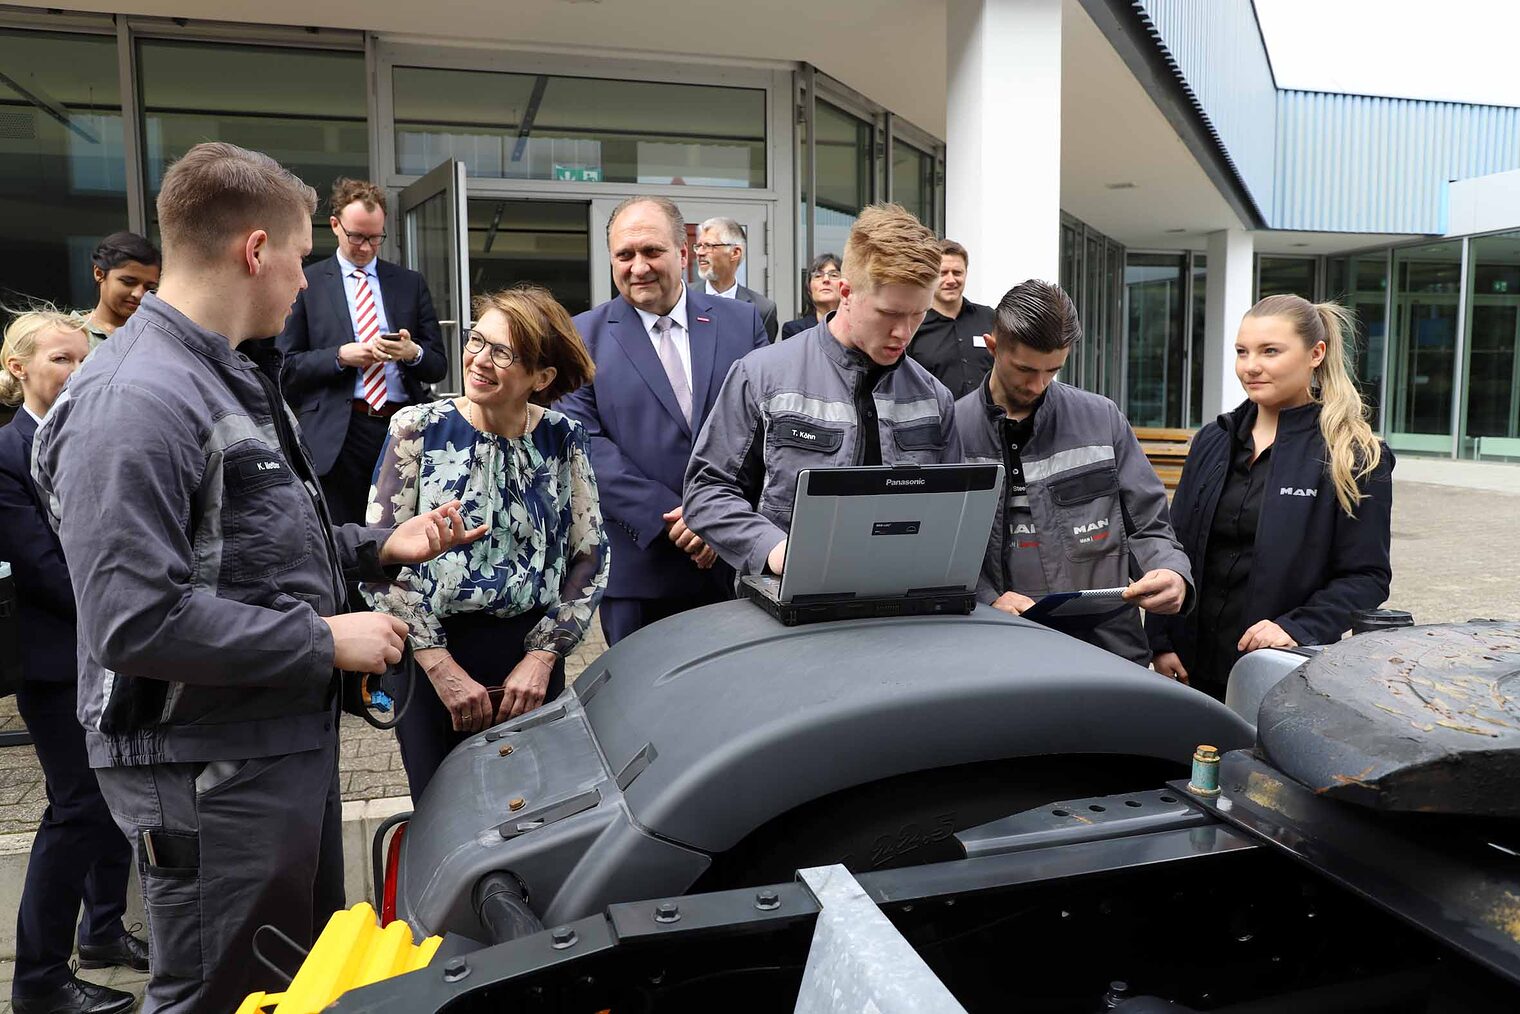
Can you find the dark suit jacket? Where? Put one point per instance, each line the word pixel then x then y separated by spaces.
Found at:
pixel 44 592
pixel 795 327
pixel 640 443
pixel 322 393
pixel 765 305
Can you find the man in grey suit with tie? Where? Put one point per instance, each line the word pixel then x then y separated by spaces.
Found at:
pixel 661 352
pixel 720 251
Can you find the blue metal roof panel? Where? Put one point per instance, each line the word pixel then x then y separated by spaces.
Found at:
pixel 1317 160
pixel 1218 54
pixel 1363 163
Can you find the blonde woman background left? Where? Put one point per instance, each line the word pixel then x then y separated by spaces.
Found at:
pixel 79 856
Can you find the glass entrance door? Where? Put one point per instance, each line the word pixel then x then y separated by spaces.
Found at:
pixel 544 242
pixel 433 243
pixel 1422 363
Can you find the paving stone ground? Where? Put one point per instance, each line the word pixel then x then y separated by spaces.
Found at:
pixel 1450 563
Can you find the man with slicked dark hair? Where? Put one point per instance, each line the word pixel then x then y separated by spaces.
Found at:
pixel 1082 506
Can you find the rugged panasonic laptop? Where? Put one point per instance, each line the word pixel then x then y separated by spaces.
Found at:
pixel 883 541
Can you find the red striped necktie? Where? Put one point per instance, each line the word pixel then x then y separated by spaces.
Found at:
pixel 368 331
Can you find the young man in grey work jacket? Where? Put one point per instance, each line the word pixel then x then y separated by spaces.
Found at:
pixel 1082 507
pixel 842 393
pixel 210 587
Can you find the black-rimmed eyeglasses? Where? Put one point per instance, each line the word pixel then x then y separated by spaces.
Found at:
pixel 363 239
pixel 501 355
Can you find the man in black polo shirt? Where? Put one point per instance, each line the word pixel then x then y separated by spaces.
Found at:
pixel 951 343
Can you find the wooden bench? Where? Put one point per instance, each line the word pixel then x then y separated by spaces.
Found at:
pixel 1167 449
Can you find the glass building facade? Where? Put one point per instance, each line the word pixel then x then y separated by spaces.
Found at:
pixel 1436 351
pixel 94 108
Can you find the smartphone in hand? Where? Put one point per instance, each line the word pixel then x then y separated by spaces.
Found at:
pixel 390 344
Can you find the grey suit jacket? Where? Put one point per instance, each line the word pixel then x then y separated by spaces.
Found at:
pixel 765 305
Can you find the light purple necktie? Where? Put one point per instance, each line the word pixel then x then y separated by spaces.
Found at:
pixel 671 360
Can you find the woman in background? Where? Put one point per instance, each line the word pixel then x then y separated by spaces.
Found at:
pixel 126 267
pixel 497 618
pixel 78 854
pixel 1284 504
pixel 823 295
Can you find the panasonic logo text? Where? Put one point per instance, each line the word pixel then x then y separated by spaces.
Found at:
pixel 906 482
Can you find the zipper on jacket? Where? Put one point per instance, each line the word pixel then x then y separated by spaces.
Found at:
pixel 290 447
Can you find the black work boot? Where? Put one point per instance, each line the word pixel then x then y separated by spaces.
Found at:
pixel 76 997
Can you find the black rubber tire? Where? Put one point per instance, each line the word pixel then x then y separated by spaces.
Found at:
pixel 912 819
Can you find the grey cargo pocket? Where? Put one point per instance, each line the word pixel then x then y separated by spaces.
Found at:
pixel 1087 509
pixel 265 508
pixel 785 436
pixel 918 438
pixel 172 902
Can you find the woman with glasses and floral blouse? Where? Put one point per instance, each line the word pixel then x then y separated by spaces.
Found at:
pixel 492 622
pixel 823 295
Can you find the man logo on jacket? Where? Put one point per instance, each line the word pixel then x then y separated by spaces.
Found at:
pixel 1082 506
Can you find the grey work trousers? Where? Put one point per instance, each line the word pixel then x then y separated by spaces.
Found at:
pixel 263 844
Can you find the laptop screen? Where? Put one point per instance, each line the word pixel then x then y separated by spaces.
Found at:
pixel 884 531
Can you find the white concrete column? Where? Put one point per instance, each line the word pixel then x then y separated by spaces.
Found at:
pixel 1003 141
pixel 1227 295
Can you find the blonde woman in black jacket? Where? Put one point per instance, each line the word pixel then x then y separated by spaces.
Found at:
pixel 1284 504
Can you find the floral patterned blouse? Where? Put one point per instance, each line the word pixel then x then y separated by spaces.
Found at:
pixel 545 547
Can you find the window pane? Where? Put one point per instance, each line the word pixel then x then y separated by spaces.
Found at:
pixel 590 130
pixel 545 242
pixel 62 164
pixel 1153 285
pixel 843 165
pixel 1424 339
pixel 1078 363
pixel 1195 364
pixel 1368 301
pixel 1283 276
pixel 310 116
pixel 1336 271
pixel 1493 381
pixel 912 176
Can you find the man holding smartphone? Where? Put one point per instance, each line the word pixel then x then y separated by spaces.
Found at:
pixel 362 342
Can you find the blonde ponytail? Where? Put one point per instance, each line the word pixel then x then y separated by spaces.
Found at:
pixel 21 343
pixel 1353 451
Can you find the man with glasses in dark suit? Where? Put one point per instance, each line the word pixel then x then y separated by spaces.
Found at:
pixel 362 342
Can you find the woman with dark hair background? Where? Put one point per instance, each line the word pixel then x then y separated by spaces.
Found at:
pixel 126 267
pixel 823 294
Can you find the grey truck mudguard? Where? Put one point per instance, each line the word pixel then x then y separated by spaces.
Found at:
pixel 681 741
